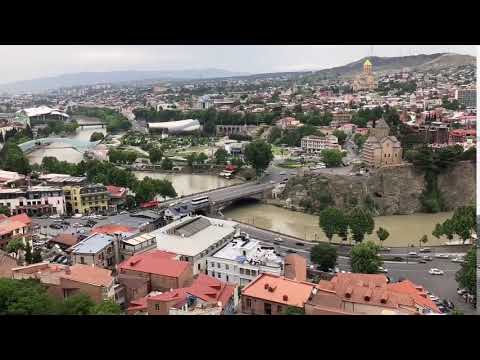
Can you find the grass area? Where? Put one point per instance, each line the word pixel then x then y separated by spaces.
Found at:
pixel 288 164
pixel 279 151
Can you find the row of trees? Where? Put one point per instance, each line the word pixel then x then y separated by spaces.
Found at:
pixel 122 156
pixel 58 127
pixel 114 120
pixel 30 297
pixel 357 221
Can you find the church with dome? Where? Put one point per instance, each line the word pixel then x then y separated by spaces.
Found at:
pixel 365 80
pixel 381 149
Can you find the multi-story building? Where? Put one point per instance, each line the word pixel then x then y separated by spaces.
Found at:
pixel 11 179
pixel 288 123
pixel 195 238
pixel 380 149
pixel 315 144
pixel 245 130
pixel 435 132
pixel 339 118
pixel 117 197
pixel 97 250
pixel 467 97
pixel 242 260
pixel 34 200
pixel 86 199
pixel 14 227
pixel 460 136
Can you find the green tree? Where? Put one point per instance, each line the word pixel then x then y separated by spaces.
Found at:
pixel 106 307
pixel 96 136
pixel 333 221
pixel 332 157
pixel 324 255
pixel 359 140
pixel 382 235
pixel 28 253
pixel 467 275
pixel 360 222
pixel 155 155
pixel 341 136
pixel 167 164
pixel 36 256
pixel 201 158
pixel 293 310
pixel 423 240
pixel 191 159
pixel 438 231
pixel 14 246
pixel 78 304
pixel 259 155
pixel 4 210
pixel 364 258
pixel 221 156
pixel 13 159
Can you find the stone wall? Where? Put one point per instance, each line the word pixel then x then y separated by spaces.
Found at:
pixel 388 191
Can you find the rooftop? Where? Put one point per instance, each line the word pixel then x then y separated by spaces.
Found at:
pixel 156 262
pixel 192 235
pixel 92 244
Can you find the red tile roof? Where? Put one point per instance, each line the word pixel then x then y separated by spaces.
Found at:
pixel 9 224
pixel 116 191
pixel 418 292
pixel 88 274
pixel 110 229
pixel 156 262
pixel 22 218
pixel 65 239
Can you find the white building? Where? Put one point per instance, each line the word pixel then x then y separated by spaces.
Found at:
pixel 173 127
pixel 35 200
pixel 242 260
pixel 315 144
pixel 195 238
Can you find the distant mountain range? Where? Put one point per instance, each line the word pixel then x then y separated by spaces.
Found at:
pixel 380 65
pixel 91 78
pixel 389 64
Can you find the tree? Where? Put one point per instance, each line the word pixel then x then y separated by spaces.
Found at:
pixel 259 155
pixel 28 253
pixel 4 210
pixel 167 164
pixel 293 310
pixel 360 222
pixel 191 159
pixel 423 240
pixel 382 235
pixel 155 155
pixel 78 304
pixel 37 256
pixel 324 255
pixel 333 221
pixel 106 307
pixel 364 258
pixel 97 136
pixel 332 157
pixel 201 158
pixel 467 275
pixel 221 156
pixel 14 246
pixel 359 140
pixel 438 231
pixel 341 136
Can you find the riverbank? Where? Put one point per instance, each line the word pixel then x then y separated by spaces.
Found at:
pixel 405 230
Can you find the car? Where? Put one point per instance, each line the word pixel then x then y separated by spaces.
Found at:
pixel 461 291
pixel 433 297
pixel 123 212
pixel 425 250
pixel 77 225
pixel 443 309
pixel 77 216
pixel 56 216
pixel 55 259
pixel 442 256
pixel 382 269
pixel 61 259
pixel 385 249
pixel 427 258
pixel 65 261
pixel 290 251
pixel 299 244
pixel 422 261
pixel 448 304
pixel 458 260
pixel 412 254
pixel 434 271
pixel 272 182
pixel 283 173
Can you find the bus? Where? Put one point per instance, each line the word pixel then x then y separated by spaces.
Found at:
pixel 200 200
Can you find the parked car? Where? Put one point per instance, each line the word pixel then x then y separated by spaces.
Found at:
pixel 422 261
pixel 299 244
pixel 123 212
pixel 442 256
pixel 458 260
pixel 77 216
pixel 427 258
pixel 435 271
pixel 55 216
pixel 425 250
pixel 412 254
pixel 382 269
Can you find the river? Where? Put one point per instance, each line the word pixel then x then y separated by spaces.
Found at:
pixel 404 229
pixel 187 184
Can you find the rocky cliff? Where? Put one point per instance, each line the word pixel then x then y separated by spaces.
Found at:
pixel 387 191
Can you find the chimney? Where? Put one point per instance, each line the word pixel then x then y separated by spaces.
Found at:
pixel 68 271
pixel 266 286
pixel 285 297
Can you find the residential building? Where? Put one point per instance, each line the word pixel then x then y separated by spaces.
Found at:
pixel 368 294
pixel 206 296
pixel 34 200
pixel 97 250
pixel 7 263
pixel 380 149
pixel 11 179
pixel 315 144
pixel 340 118
pixel 236 148
pixel 245 130
pixel 467 97
pixel 63 281
pixel 86 199
pixel 14 227
pixel 65 240
pixel 194 238
pixel 242 260
pixel 288 123
pixel 117 197
pixel 460 136
pixel 271 294
pixel 435 132
pixel 158 270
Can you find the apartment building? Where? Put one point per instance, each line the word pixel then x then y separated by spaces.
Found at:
pixel 34 200
pixel 242 260
pixel 86 199
pixel 467 97
pixel 315 144
pixel 97 250
pixel 195 238
pixel 14 227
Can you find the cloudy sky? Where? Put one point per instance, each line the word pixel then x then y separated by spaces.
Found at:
pixel 28 62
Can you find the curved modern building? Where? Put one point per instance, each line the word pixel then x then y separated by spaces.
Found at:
pixel 175 127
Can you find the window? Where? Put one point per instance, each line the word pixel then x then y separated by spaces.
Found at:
pixel 242 271
pixel 212 264
pixel 247 272
pixel 82 260
pixel 218 265
pixel 279 309
pixel 227 267
pixel 254 273
pixel 198 266
pixel 157 306
pixel 219 275
pixel 213 273
pixel 249 303
pixel 267 309
pixel 227 277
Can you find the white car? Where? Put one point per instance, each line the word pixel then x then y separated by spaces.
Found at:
pixel 77 216
pixel 458 260
pixel 433 297
pixel 434 271
pixel 442 256
pixel 56 216
pixel 382 269
pixel 412 254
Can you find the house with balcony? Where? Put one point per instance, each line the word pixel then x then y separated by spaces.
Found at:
pixel 95 250
pixel 34 200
